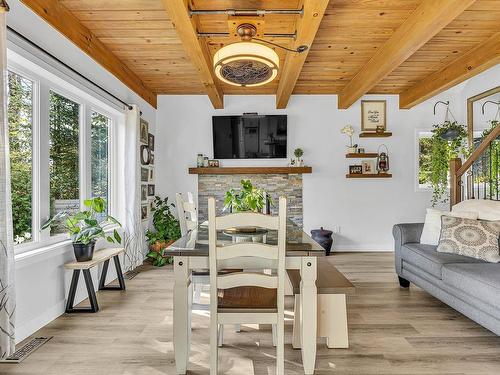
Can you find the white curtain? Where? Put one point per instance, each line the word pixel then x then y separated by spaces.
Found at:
pixel 7 296
pixel 134 239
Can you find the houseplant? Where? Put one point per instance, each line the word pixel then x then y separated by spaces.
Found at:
pixel 444 148
pixel 249 198
pixel 166 231
pixel 298 155
pixel 85 227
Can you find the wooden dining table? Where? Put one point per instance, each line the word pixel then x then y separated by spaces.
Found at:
pixel 190 252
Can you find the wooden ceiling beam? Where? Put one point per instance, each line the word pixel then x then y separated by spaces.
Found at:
pixel 195 48
pixel 483 56
pixel 307 27
pixel 423 24
pixel 59 17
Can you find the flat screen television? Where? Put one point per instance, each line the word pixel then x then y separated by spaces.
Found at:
pixel 249 136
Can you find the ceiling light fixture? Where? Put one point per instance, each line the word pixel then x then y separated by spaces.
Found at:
pixel 247 63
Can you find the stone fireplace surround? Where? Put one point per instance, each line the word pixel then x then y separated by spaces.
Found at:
pixel 278 181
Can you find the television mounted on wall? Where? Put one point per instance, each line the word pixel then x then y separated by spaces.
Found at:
pixel 250 136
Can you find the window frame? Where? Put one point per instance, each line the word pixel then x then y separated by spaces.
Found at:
pixel 44 82
pixel 35 156
pixel 418 135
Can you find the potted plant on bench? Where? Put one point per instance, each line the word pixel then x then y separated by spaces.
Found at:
pixel 166 231
pixel 85 227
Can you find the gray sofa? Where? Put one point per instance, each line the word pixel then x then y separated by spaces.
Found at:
pixel 469 285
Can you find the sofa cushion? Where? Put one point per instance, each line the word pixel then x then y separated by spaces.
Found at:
pixel 479 280
pixel 432 226
pixel 428 259
pixel 485 208
pixel 471 238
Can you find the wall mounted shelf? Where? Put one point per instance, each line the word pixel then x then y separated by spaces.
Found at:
pixel 375 135
pixel 378 175
pixel 250 170
pixel 359 155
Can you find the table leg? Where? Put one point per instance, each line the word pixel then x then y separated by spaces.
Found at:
pixel 308 313
pixel 183 296
pixel 296 323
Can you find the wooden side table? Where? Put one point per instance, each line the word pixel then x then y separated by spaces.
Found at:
pixel 100 256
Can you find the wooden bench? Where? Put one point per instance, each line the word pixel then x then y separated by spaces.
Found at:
pixel 332 288
pixel 100 256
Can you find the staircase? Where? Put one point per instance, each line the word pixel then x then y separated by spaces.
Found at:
pixel 478 176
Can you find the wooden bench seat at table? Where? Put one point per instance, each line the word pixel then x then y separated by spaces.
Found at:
pixel 332 288
pixel 100 256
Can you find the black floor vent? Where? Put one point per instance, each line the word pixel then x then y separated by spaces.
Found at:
pixel 21 354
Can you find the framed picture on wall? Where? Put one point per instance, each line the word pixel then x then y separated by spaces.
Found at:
pixel 144 174
pixel 151 205
pixel 144 212
pixel 151 174
pixel 144 131
pixel 151 190
pixel 151 158
pixel 368 166
pixel 373 113
pixel 145 154
pixel 151 141
pixel 144 192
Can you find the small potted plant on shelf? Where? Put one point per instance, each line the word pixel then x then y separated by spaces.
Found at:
pixel 298 157
pixel 166 231
pixel 86 227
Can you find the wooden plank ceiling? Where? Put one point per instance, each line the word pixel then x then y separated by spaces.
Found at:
pixel 142 36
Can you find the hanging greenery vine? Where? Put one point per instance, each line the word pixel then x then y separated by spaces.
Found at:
pixel 442 151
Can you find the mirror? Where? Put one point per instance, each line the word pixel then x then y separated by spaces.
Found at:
pixel 481 110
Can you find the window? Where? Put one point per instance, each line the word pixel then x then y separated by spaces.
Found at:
pixel 20 121
pixel 99 154
pixel 64 120
pixel 424 150
pixel 61 137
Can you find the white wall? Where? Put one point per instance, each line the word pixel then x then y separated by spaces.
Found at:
pixel 364 209
pixel 41 281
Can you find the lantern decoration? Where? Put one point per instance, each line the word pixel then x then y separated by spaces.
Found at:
pixel 383 160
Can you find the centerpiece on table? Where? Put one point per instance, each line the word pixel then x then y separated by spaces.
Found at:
pixel 248 198
pixel 86 227
pixel 166 231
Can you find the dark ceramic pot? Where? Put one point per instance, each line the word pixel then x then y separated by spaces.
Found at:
pixel 324 238
pixel 83 253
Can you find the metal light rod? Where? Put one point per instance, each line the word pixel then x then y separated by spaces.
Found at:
pixel 266 35
pixel 245 12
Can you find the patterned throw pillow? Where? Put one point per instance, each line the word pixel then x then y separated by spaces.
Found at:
pixel 471 238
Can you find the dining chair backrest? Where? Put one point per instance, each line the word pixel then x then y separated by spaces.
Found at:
pixel 187 213
pixel 256 250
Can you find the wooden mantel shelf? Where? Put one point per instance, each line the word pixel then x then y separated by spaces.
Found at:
pixel 250 170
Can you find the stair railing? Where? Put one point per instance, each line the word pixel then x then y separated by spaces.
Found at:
pixel 480 172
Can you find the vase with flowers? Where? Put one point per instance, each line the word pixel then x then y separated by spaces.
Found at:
pixel 349 131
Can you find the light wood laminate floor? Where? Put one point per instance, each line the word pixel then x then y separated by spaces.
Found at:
pixel 392 331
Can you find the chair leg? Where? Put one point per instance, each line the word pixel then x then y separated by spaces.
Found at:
pixel 280 348
pixel 220 335
pixel 296 344
pixel 198 287
pixel 214 349
pixel 237 328
pixel 275 333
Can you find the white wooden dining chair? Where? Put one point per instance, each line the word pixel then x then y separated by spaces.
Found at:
pixel 188 220
pixel 253 255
